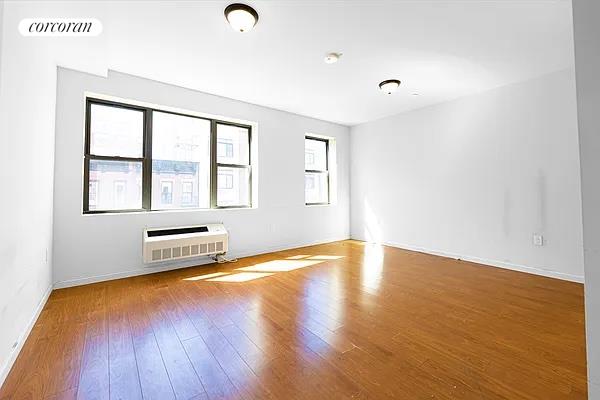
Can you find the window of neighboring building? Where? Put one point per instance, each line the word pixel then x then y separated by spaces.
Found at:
pixel 187 192
pixel 309 157
pixel 143 159
pixel 120 193
pixel 93 194
pixel 225 148
pixel 316 170
pixel 225 179
pixel 166 192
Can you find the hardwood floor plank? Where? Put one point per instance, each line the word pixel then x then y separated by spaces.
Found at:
pixel 181 374
pixel 154 379
pixel 94 382
pixel 238 372
pixel 124 382
pixel 214 380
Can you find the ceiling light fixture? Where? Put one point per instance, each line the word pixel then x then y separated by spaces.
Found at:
pixel 241 17
pixel 332 58
pixel 389 86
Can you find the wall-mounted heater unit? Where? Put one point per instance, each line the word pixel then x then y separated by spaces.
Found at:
pixel 165 244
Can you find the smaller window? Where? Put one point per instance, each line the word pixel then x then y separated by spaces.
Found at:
pixel 316 170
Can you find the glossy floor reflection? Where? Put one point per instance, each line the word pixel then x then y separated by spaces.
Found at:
pixel 334 321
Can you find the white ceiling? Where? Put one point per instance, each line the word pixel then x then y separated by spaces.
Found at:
pixel 438 49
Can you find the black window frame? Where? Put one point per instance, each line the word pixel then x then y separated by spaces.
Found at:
pixel 316 171
pixel 146 158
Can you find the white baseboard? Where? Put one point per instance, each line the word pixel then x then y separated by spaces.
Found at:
pixel 4 371
pixel 186 264
pixel 489 262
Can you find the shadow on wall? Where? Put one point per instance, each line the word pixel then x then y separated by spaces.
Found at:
pixel 542 195
pixel 372 232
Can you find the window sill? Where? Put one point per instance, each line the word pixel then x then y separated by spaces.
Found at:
pixel 141 212
pixel 317 204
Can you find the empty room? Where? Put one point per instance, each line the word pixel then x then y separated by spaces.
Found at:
pixel 300 199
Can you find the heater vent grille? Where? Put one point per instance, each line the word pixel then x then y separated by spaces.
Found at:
pixel 176 252
pixel 177 243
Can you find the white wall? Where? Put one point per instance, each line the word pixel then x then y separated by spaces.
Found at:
pixel 1 37
pixel 587 61
pixel 27 110
pixel 26 160
pixel 476 177
pixel 89 247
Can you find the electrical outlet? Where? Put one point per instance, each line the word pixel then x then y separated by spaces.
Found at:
pixel 538 240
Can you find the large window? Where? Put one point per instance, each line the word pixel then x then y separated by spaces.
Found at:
pixel 143 159
pixel 316 170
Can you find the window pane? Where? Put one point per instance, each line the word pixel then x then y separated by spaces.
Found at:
pixel 233 146
pixel 116 131
pixel 180 161
pixel 233 186
pixel 315 155
pixel 115 185
pixel 316 187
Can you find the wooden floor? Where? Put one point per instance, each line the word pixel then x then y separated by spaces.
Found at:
pixel 336 321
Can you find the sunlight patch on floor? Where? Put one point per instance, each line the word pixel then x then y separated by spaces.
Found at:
pixel 240 277
pixel 206 276
pixel 280 265
pixel 297 257
pixel 265 269
pixel 324 257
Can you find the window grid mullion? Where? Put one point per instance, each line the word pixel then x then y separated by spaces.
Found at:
pixel 240 166
pixel 213 164
pixel 114 158
pixel 147 165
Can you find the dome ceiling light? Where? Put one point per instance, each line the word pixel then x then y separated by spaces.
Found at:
pixel 332 58
pixel 389 86
pixel 241 17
